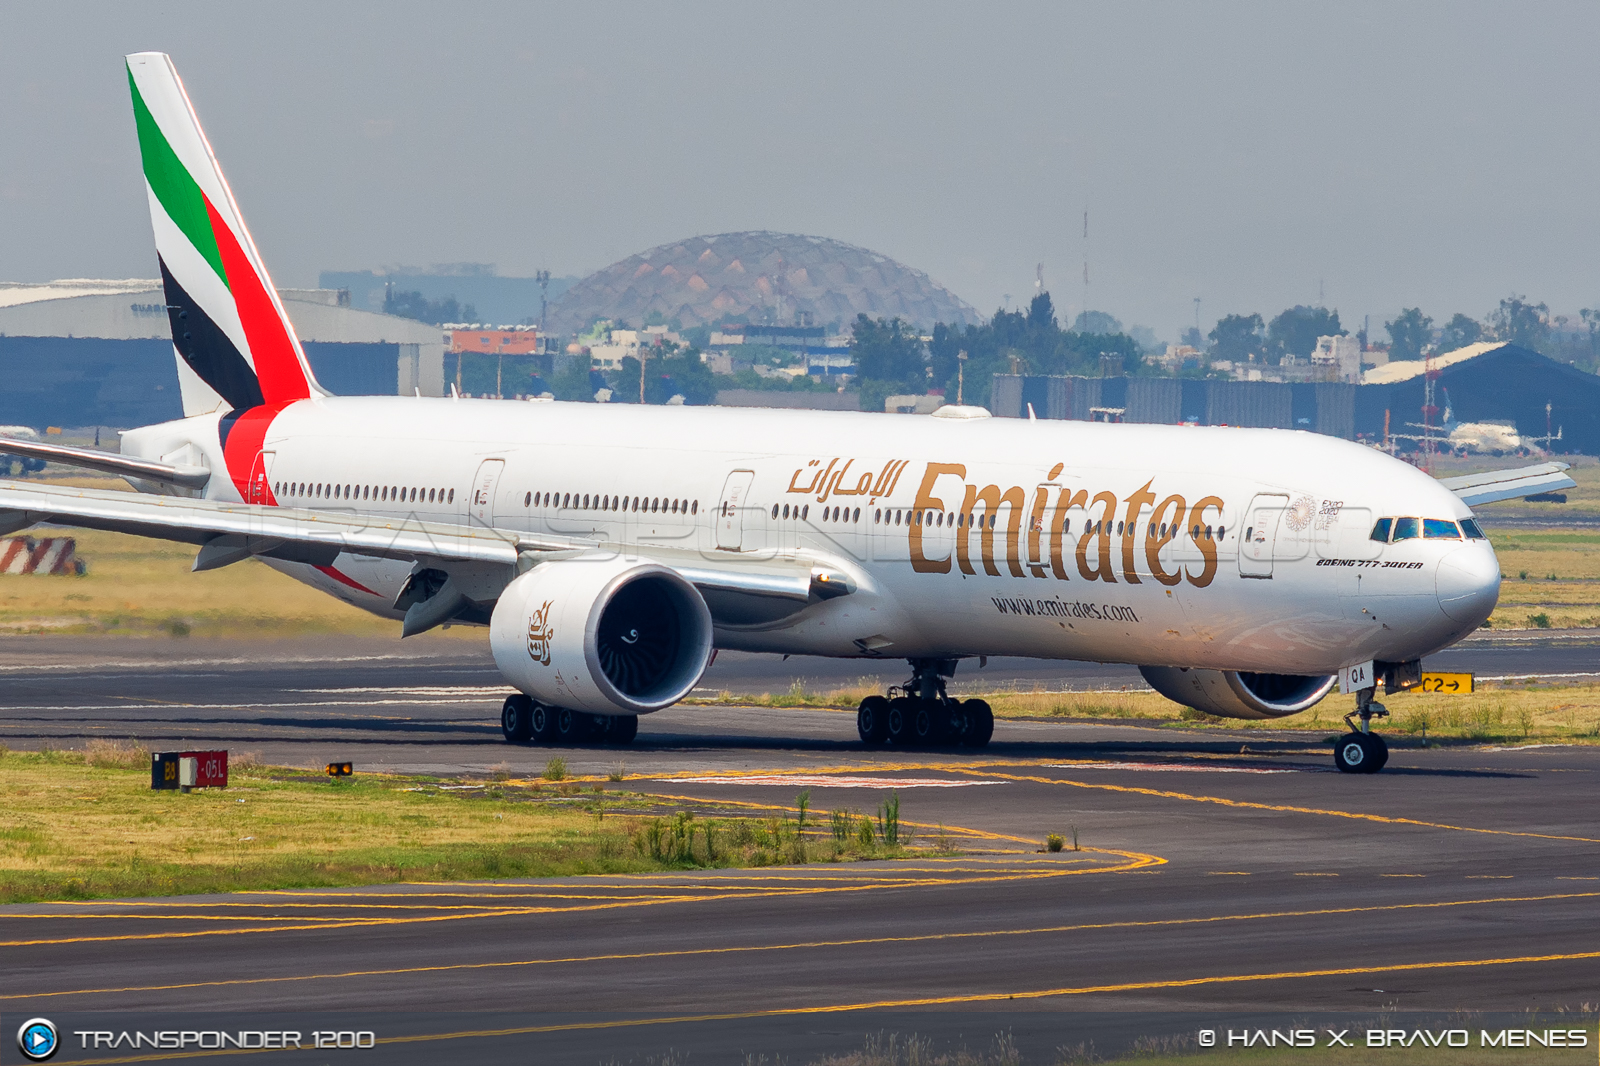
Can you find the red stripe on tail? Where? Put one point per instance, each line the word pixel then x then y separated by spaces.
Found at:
pixel 278 367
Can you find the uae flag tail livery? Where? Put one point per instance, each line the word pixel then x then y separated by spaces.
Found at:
pixel 237 350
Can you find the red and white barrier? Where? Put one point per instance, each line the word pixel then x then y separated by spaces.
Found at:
pixel 50 555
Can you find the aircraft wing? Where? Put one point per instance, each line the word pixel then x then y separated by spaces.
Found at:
pixel 739 589
pixel 1475 489
pixel 188 477
pixel 279 532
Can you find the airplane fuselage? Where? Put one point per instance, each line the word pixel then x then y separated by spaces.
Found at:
pixel 1225 548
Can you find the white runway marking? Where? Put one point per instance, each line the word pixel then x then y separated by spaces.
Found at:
pixel 827 781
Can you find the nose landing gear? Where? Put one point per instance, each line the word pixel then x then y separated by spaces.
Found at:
pixel 920 714
pixel 1362 751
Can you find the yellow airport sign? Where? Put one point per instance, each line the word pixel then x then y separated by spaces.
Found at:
pixel 1450 684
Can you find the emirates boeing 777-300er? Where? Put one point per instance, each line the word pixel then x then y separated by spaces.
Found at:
pixel 610 549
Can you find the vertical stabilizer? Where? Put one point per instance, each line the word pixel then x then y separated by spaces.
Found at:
pixel 235 344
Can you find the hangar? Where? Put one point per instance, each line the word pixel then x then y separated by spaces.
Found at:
pixel 1485 382
pixel 91 352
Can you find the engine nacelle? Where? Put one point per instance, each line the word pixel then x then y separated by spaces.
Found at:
pixel 1237 694
pixel 607 635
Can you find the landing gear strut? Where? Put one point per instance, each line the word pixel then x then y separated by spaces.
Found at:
pixel 921 714
pixel 524 719
pixel 1361 751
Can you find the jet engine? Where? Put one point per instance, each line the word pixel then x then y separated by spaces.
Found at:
pixel 1236 693
pixel 604 635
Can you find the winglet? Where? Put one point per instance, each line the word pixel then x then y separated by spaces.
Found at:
pixel 1495 485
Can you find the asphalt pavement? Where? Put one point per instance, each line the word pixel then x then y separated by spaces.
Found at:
pixel 1221 872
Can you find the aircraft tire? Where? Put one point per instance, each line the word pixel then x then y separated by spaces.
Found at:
pixel 901 710
pixel 872 720
pixel 516 719
pixel 544 724
pixel 569 725
pixel 980 723
pixel 1360 753
pixel 925 731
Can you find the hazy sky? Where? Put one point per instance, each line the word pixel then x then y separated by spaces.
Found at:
pixel 1391 154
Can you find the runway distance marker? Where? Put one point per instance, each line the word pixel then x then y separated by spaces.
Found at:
pixel 857 942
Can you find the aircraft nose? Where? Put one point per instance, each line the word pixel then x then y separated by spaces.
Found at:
pixel 1468 583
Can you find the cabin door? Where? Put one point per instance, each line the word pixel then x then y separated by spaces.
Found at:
pixel 483 490
pixel 730 512
pixel 1260 535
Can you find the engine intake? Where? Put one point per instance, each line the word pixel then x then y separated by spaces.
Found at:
pixel 605 635
pixel 1236 693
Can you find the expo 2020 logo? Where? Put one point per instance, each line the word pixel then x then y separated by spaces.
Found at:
pixel 37 1039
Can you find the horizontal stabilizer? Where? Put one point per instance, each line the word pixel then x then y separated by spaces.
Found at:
pixel 188 477
pixel 1494 485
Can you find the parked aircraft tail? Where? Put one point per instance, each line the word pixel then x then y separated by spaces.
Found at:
pixel 235 345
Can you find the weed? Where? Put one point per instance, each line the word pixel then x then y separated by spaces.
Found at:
pixel 866 838
pixel 500 771
pixel 839 823
pixel 942 843
pixel 802 804
pixel 555 769
pixel 176 627
pixel 1540 620
pixel 1522 575
pixel 618 772
pixel 1524 722
pixel 1074 838
pixel 889 820
pixel 1053 842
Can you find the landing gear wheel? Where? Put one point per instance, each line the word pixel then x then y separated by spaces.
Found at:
pixel 980 723
pixel 925 731
pixel 544 723
pixel 901 711
pixel 516 719
pixel 569 725
pixel 1360 753
pixel 872 720
pixel 622 729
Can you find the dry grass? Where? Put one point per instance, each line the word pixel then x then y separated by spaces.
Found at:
pixel 1502 713
pixel 137 586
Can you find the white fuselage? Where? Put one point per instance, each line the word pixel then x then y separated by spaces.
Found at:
pixel 1087 556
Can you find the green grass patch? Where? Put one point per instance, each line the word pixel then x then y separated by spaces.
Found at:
pixel 79 825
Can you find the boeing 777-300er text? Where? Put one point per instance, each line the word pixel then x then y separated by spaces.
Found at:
pixel 610 549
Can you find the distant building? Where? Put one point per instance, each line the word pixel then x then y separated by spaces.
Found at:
pixel 492 297
pixel 1340 355
pixel 87 352
pixel 524 341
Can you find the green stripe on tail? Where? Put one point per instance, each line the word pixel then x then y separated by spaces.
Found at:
pixel 174 187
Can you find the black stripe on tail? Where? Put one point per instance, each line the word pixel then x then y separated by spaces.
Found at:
pixel 207 349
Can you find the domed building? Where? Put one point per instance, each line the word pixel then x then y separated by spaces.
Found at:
pixel 756 277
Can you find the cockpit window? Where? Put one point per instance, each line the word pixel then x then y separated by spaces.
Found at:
pixel 1440 529
pixel 1405 529
pixel 1380 531
pixel 1469 526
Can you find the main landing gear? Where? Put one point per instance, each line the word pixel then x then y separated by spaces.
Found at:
pixel 919 714
pixel 1362 751
pixel 525 720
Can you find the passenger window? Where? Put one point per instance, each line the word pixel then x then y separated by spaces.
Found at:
pixel 1380 530
pixel 1405 529
pixel 1440 529
pixel 1469 526
pixel 805 512
pixel 527 499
